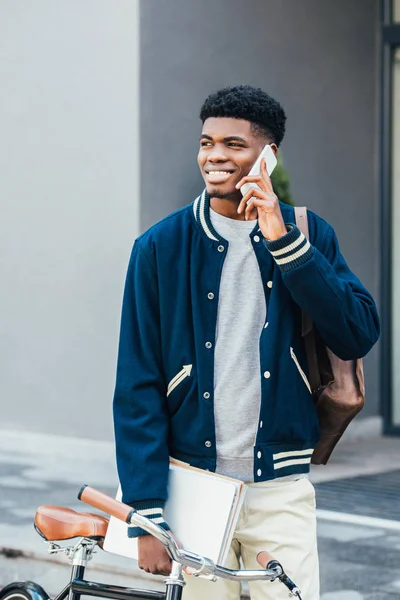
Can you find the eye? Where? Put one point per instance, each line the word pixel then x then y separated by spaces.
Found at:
pixel 235 145
pixel 205 143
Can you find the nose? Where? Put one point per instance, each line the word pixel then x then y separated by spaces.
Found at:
pixel 216 154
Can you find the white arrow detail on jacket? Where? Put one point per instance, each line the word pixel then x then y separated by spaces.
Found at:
pixel 186 371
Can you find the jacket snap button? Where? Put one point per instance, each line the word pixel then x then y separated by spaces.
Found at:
pixel 206 395
pixel 210 295
pixel 269 284
pixel 256 238
pixel 259 472
pixel 267 374
pixel 208 444
pixel 258 454
pixel 261 424
pixel 208 345
pixel 266 325
pixel 221 248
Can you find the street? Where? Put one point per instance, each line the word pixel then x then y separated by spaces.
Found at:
pixel 358 562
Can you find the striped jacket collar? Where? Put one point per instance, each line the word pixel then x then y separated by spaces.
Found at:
pixel 201 209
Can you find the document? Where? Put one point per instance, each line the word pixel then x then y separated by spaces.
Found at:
pixel 202 510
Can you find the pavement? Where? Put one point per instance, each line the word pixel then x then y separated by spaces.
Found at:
pixel 359 550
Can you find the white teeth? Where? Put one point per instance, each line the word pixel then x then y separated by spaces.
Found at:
pixel 218 172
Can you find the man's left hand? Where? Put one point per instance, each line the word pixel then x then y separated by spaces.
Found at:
pixel 263 204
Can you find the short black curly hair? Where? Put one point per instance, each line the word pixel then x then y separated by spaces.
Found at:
pixel 252 104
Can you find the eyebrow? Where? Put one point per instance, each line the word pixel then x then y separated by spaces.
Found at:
pixel 230 138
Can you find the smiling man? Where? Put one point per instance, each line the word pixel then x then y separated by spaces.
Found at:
pixel 219 287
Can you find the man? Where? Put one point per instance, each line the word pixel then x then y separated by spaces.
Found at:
pixel 212 369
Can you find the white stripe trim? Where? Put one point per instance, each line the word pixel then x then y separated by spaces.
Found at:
pixel 203 219
pixel 288 259
pixel 147 512
pixel 196 202
pixel 177 376
pixel 300 370
pixel 176 383
pixel 293 453
pixel 158 520
pixel 290 463
pixel 289 248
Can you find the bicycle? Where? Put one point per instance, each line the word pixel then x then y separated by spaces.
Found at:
pixel 56 523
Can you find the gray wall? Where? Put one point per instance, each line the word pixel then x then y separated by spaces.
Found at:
pixel 320 59
pixel 69 207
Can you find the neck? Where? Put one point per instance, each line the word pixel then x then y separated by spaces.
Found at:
pixel 227 207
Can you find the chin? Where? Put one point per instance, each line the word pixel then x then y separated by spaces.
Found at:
pixel 218 191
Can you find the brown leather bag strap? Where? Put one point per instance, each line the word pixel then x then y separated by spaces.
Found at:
pixel 300 212
pixel 308 333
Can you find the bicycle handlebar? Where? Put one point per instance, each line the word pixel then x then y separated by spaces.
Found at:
pixel 106 503
pixel 272 569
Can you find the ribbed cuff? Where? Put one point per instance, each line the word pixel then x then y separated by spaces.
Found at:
pixel 291 250
pixel 153 510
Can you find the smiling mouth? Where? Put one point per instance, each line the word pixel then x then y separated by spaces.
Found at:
pixel 218 176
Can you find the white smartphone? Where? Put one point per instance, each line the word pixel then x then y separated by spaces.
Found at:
pixel 270 160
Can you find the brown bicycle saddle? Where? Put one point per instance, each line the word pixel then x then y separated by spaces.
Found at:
pixel 59 523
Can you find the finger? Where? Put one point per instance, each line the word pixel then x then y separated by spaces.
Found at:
pixel 251 212
pixel 267 206
pixel 264 203
pixel 265 176
pixel 253 179
pixel 252 215
pixel 269 198
pixel 160 570
pixel 166 566
pixel 250 194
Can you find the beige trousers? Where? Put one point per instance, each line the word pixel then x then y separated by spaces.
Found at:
pixel 278 517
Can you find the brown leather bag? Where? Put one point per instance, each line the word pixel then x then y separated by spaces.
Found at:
pixel 337 385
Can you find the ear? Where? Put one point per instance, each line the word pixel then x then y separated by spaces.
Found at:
pixel 274 148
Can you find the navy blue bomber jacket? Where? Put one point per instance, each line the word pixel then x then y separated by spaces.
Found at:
pixel 163 402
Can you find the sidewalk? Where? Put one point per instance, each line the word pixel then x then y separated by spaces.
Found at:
pixel 361 457
pixel 40 469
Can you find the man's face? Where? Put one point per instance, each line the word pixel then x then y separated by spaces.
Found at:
pixel 228 150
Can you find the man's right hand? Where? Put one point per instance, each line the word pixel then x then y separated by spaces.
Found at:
pixel 153 556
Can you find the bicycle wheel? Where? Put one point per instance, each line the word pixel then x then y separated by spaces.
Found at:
pixel 23 590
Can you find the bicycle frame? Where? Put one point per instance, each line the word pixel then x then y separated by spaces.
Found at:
pixel 78 586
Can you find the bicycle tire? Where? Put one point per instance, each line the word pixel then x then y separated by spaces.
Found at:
pixel 23 590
